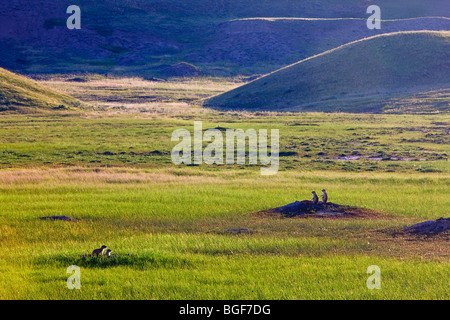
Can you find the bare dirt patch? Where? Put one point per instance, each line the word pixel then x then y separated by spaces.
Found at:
pixel 307 209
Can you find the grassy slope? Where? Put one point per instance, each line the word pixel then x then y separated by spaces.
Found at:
pixel 25 95
pixel 357 77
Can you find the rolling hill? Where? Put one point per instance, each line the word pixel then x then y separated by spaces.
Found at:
pixel 151 38
pixel 361 76
pixel 21 94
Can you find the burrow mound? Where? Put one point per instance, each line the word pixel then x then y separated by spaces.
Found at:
pixel 61 218
pixel 307 208
pixel 431 227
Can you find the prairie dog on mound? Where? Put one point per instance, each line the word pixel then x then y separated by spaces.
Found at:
pixel 324 196
pixel 315 198
pixel 99 251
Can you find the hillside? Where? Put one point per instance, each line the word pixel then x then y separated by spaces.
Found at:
pixel 362 76
pixel 18 93
pixel 220 37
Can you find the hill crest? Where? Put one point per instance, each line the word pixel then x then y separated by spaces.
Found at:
pixel 21 94
pixel 361 76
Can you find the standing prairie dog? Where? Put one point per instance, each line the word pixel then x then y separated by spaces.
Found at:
pixel 324 196
pixel 108 253
pixel 315 198
pixel 99 251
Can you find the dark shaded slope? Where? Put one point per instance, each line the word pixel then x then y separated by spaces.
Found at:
pixel 362 76
pixel 145 37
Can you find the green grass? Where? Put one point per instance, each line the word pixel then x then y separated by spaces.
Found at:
pixel 87 193
pixel 168 232
pixel 168 226
pixel 385 143
pixel 251 277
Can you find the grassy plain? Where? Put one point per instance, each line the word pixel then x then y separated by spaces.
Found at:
pixel 167 225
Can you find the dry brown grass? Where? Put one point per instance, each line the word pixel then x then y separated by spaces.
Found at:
pixel 137 96
pixel 92 176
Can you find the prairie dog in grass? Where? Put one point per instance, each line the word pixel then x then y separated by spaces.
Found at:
pixel 315 198
pixel 108 253
pixel 324 196
pixel 99 251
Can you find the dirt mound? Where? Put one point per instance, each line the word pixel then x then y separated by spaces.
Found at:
pixel 181 69
pixel 307 208
pixel 62 218
pixel 430 227
pixel 239 231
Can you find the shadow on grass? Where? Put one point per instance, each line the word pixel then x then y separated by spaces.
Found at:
pixel 148 261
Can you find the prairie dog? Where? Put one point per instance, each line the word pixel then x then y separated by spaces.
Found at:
pixel 108 253
pixel 315 198
pixel 99 251
pixel 324 196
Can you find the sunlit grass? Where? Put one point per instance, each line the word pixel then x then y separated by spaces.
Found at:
pixel 168 226
pixel 169 235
